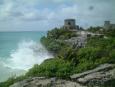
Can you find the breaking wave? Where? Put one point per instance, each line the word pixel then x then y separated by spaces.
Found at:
pixel 23 58
pixel 27 54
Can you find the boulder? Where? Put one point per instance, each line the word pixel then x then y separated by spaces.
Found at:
pixel 99 75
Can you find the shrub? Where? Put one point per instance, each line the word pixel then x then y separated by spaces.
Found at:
pixel 51 68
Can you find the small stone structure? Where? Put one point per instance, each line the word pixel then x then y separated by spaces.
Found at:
pixel 108 25
pixel 70 24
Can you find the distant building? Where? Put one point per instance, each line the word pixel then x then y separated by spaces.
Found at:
pixel 70 24
pixel 108 25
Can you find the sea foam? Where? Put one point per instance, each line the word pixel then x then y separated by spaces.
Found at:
pixel 19 51
pixel 27 54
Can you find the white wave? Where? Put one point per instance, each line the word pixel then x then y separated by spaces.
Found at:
pixel 24 57
pixel 27 54
pixel 6 72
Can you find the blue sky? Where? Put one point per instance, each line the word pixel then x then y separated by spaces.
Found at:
pixel 42 15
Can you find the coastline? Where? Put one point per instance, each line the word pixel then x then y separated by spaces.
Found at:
pixel 72 59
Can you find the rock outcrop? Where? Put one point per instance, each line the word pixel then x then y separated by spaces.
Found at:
pixel 93 78
pixel 43 82
pixel 97 76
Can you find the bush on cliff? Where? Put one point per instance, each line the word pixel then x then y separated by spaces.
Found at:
pixel 96 52
pixel 51 68
pixel 54 41
pixel 95 29
pixel 60 33
pixel 53 46
pixel 109 32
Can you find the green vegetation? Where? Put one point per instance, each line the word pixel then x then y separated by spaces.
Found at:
pixel 52 68
pixel 97 50
pixel 109 32
pixel 54 41
pixel 110 83
pixel 68 59
pixel 95 29
pixel 12 80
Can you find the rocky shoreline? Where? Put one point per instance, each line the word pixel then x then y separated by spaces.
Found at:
pixel 95 77
pixel 76 51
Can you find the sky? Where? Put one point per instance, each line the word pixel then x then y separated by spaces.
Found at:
pixel 43 15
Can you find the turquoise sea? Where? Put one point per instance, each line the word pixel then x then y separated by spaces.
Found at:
pixel 19 51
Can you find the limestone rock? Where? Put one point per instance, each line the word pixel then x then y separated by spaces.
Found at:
pixel 101 74
pixel 37 82
pixel 94 77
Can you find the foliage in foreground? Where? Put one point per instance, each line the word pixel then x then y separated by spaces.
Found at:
pixel 110 83
pixel 12 80
pixel 52 68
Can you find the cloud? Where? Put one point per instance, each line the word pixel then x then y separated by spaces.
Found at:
pixel 33 16
pixel 5 10
pixel 1 2
pixel 51 13
pixel 15 9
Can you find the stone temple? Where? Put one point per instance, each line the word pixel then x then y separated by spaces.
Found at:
pixel 70 24
pixel 108 25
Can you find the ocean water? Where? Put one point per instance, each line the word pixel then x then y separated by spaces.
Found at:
pixel 19 51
